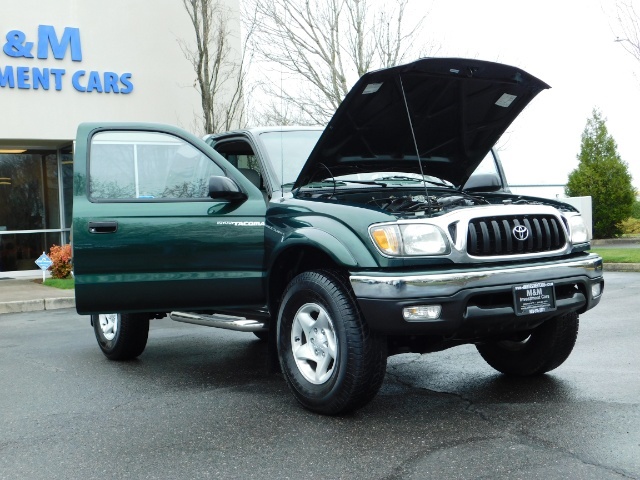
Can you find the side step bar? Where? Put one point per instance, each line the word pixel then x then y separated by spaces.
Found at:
pixel 228 322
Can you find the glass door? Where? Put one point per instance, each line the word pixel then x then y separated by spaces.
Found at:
pixel 33 195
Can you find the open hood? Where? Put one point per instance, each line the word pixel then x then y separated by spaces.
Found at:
pixel 458 109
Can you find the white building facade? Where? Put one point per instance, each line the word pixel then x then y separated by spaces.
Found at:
pixel 64 62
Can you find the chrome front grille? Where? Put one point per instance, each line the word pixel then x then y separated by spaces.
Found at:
pixel 505 235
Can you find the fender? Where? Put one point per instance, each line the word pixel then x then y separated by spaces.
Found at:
pixel 342 245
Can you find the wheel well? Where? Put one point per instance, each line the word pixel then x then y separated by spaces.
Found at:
pixel 290 263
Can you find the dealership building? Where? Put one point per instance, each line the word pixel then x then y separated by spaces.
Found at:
pixel 66 62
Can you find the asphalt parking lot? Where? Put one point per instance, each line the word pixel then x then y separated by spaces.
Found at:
pixel 201 403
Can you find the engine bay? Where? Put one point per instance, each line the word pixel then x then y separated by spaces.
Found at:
pixel 412 202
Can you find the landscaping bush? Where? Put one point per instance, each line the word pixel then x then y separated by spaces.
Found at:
pixel 630 225
pixel 61 257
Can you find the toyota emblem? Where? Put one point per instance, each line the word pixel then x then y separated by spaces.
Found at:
pixel 520 232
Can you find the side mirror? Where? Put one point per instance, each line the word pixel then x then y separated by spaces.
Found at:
pixel 483 182
pixel 223 188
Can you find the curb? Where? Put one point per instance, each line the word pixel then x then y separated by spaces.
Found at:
pixel 21 306
pixel 612 242
pixel 621 267
pixel 62 302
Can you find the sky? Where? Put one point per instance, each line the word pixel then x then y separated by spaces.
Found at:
pixel 569 44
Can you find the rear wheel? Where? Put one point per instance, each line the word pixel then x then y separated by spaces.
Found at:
pixel 331 360
pixel 535 352
pixel 121 336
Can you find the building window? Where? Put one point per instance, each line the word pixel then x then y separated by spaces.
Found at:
pixel 66 166
pixel 34 211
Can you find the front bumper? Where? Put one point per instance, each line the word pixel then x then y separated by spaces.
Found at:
pixel 475 302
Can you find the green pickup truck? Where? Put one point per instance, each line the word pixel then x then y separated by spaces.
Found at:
pixel 391 230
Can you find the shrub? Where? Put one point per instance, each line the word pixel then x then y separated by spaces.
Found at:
pixel 630 225
pixel 61 257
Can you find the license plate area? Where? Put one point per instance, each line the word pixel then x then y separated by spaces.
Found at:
pixel 532 298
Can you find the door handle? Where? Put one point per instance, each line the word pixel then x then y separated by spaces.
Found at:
pixel 103 227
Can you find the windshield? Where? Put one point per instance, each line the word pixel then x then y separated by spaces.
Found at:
pixel 291 146
pixel 488 165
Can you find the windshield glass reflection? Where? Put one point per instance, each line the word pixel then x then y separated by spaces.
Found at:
pixel 288 151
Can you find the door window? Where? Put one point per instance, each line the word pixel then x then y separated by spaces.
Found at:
pixel 147 165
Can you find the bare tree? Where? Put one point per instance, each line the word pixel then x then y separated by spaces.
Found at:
pixel 628 28
pixel 322 47
pixel 220 63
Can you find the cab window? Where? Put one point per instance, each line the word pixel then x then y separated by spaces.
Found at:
pixel 240 154
pixel 136 165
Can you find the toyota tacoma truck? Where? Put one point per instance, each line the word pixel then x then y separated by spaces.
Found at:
pixel 390 230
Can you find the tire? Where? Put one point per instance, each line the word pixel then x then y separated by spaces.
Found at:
pixel 545 347
pixel 331 361
pixel 121 336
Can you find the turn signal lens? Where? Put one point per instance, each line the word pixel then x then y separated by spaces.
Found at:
pixel 387 238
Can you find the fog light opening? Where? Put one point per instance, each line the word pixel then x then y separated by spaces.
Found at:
pixel 421 312
pixel 596 290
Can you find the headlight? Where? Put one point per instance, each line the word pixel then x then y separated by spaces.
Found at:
pixel 421 239
pixel 579 233
pixel 410 239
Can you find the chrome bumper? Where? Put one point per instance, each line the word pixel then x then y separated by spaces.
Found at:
pixel 447 283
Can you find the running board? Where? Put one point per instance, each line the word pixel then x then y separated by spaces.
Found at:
pixel 228 322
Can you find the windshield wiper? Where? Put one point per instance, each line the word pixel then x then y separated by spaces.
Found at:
pixel 363 182
pixel 400 178
pixel 337 182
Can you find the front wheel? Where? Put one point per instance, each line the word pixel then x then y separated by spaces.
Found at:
pixel 535 352
pixel 121 336
pixel 332 362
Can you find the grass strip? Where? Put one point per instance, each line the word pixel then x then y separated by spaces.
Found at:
pixel 618 255
pixel 62 283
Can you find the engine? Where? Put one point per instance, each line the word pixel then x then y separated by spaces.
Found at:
pixel 422 204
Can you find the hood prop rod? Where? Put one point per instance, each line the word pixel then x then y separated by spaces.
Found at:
pixel 415 143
